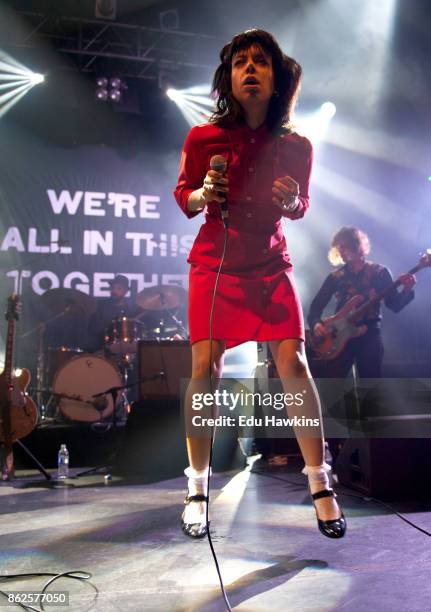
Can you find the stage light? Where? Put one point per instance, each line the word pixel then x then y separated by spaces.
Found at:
pixel 101 94
pixel 315 125
pixel 37 78
pixel 328 109
pixel 195 106
pixel 115 83
pixel 115 95
pixel 173 94
pixel 102 82
pixel 109 89
pixel 17 80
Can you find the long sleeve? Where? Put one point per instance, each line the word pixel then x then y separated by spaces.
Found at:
pixel 321 300
pixel 304 185
pixel 395 300
pixel 191 172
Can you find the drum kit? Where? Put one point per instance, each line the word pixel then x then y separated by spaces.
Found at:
pixel 74 384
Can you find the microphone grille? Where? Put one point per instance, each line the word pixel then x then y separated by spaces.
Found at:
pixel 218 163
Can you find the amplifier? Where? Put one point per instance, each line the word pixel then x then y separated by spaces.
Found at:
pixel 161 366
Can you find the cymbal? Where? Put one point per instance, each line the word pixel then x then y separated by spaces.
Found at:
pixel 68 300
pixel 161 297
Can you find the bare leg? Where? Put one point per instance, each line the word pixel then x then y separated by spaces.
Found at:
pixel 198 448
pixel 290 359
pixel 194 516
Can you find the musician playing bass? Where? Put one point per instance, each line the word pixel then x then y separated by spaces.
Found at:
pixel 356 276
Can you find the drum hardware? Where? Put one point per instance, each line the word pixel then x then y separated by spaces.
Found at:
pixel 179 328
pixel 113 391
pixel 41 374
pixel 162 297
pixel 159 300
pixel 49 363
pixel 168 327
pixel 123 334
pixel 58 301
pixel 126 367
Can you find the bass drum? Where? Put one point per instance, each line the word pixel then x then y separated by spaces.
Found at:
pixel 80 379
pixel 55 358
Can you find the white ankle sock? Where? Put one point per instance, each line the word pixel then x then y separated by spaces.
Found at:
pixel 194 512
pixel 318 478
pixel 197 481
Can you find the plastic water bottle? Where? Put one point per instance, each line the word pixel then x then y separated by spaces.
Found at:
pixel 63 462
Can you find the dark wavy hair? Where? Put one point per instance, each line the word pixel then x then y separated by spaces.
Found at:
pixel 287 80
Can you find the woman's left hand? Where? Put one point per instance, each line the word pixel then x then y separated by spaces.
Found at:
pixel 285 193
pixel 408 281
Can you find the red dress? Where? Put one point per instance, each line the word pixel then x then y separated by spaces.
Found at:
pixel 256 295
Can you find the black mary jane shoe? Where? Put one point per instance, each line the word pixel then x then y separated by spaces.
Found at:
pixel 334 528
pixel 194 530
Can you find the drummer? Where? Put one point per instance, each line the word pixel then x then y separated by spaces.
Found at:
pixel 117 305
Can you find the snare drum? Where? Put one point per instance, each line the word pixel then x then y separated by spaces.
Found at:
pixel 122 335
pixel 81 378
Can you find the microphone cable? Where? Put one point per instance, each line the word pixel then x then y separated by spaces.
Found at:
pixel 18 598
pixel 225 220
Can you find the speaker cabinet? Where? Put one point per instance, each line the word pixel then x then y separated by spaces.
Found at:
pixel 162 365
pixel 385 467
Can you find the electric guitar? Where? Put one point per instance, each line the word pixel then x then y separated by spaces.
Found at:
pixel 18 412
pixel 343 326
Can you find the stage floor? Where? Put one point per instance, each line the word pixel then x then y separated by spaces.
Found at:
pixel 271 555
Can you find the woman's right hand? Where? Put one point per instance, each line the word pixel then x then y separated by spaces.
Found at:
pixel 215 184
pixel 319 329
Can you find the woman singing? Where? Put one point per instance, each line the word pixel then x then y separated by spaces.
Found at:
pixel 268 173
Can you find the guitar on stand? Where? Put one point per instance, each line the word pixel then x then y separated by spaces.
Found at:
pixel 18 412
pixel 343 326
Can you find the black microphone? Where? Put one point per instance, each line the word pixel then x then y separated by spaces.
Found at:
pixel 219 164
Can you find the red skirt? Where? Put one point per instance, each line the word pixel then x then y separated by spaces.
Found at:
pixel 246 308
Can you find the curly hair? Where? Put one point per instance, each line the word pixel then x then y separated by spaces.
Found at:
pixel 352 237
pixel 287 80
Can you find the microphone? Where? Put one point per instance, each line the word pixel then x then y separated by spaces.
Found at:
pixel 219 164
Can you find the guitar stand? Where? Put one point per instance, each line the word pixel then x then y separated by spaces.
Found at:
pixel 34 459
